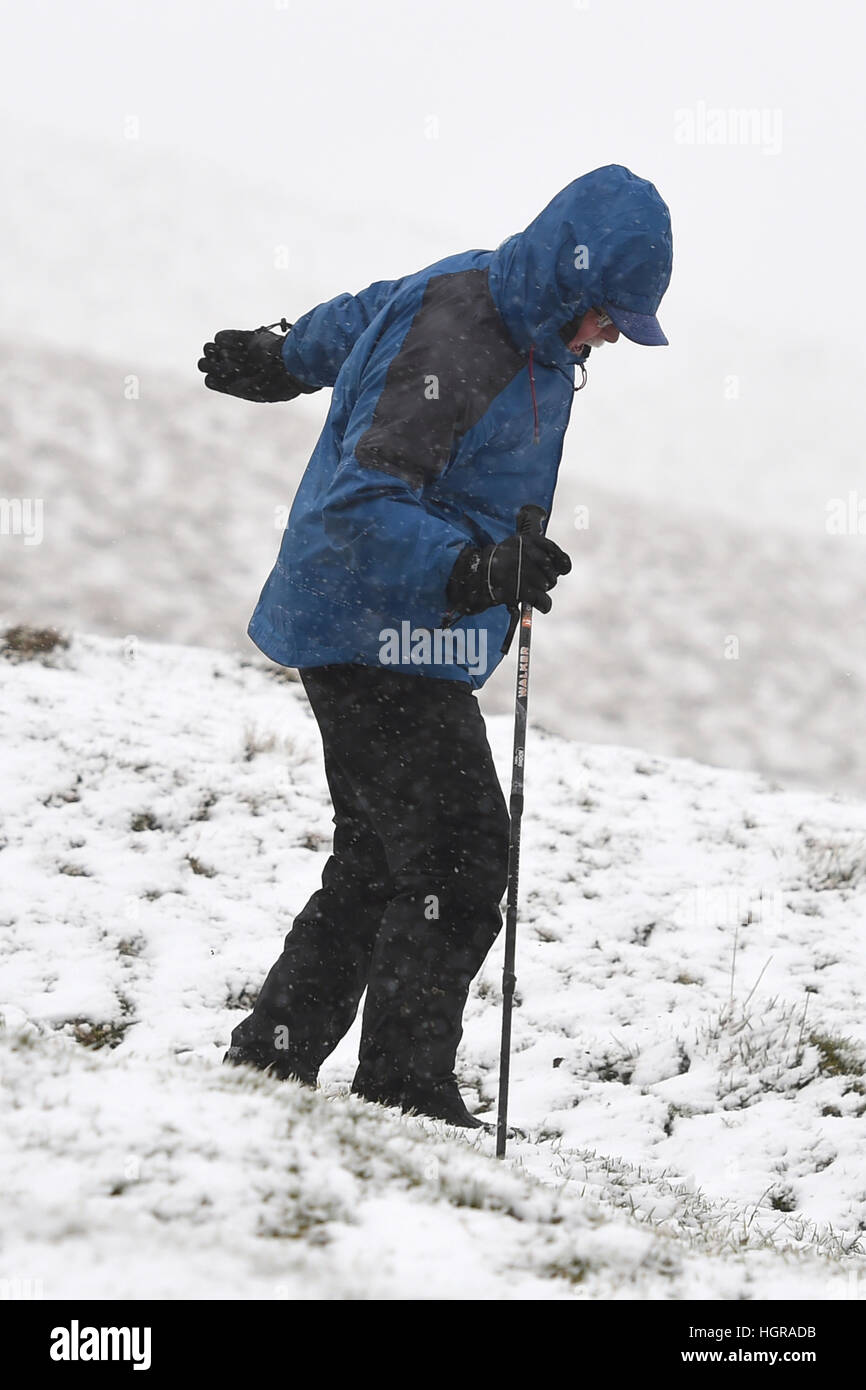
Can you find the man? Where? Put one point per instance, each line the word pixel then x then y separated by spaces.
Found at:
pixel 393 595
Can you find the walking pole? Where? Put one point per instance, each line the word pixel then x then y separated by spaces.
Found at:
pixel 529 522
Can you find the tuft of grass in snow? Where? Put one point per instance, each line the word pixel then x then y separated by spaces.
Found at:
pixel 617 1065
pixel 284 674
pixel 205 806
pixel 314 840
pixel 783 1199
pixel 834 864
pixel 198 867
pixel 67 797
pixel 131 946
pixel 97 1035
pixel 243 998
pixel 23 643
pixel 838 1056
pixel 767 1050
pixel 256 742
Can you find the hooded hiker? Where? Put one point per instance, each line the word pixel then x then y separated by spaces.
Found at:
pixel 394 592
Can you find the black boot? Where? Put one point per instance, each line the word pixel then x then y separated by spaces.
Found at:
pixel 413 1018
pixel 440 1100
pixel 280 1067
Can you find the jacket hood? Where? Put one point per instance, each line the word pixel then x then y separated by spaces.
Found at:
pixel 605 237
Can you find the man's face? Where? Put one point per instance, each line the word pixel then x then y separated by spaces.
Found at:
pixel 593 331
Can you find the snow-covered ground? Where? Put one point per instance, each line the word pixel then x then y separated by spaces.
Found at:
pixel 689 1037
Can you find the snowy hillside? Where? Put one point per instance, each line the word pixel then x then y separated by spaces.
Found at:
pixel 160 513
pixel 134 253
pixel 689 1037
pixel 161 517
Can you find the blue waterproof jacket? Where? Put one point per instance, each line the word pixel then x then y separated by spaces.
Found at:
pixel 452 390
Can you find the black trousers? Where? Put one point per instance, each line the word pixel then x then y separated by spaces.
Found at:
pixel 409 902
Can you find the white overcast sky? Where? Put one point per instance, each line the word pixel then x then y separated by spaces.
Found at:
pixel 373 138
pixel 335 98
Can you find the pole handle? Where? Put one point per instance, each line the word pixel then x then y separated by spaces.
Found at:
pixel 530 522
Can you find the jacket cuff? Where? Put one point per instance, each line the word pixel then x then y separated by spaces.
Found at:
pixel 300 387
pixel 466 590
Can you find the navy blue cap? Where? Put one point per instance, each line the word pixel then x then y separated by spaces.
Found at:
pixel 639 328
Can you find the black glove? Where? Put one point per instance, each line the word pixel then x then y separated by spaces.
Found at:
pixel 518 570
pixel 249 363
